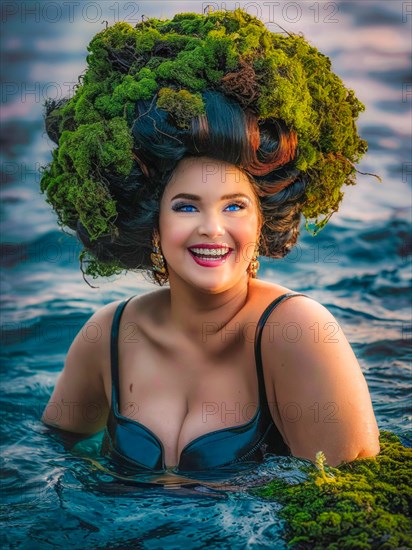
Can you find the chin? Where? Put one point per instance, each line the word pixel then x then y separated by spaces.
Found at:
pixel 216 285
pixel 206 283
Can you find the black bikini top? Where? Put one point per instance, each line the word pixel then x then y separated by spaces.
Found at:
pixel 134 447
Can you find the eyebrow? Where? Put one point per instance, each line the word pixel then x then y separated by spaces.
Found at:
pixel 222 198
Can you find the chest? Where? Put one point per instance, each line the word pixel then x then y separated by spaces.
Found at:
pixel 183 392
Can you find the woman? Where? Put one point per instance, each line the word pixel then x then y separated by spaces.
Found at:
pixel 189 150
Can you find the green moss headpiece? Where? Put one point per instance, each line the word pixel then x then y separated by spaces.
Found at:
pixel 274 75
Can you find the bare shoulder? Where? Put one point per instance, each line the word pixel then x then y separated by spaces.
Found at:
pixel 141 307
pixel 103 317
pixel 304 310
pixel 85 378
pixel 301 328
pixel 92 343
pixel 141 311
pixel 91 346
pixel 79 388
pixel 97 328
pixel 263 292
pixel 320 390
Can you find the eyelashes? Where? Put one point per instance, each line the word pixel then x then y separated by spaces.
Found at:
pixel 178 206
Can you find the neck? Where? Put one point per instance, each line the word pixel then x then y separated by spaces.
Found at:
pixel 201 314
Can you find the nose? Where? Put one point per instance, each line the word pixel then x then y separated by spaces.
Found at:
pixel 211 225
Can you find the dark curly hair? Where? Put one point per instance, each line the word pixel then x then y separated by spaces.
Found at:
pixel 263 150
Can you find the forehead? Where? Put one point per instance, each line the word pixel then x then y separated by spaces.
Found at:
pixel 196 173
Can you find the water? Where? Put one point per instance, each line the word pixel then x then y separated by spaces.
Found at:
pixel 358 267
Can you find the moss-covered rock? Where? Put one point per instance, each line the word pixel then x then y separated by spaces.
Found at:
pixel 365 503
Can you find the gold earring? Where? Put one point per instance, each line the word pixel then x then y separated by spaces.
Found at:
pixel 254 264
pixel 158 262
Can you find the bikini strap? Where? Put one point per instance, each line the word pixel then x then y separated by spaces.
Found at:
pixel 258 340
pixel 114 352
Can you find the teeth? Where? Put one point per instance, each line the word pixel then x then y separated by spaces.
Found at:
pixel 210 251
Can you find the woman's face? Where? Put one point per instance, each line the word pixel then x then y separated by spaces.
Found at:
pixel 208 224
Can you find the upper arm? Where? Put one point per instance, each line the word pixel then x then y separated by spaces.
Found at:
pixel 322 395
pixel 78 402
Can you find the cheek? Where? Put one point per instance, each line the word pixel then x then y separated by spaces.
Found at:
pixel 248 227
pixel 172 233
pixel 247 235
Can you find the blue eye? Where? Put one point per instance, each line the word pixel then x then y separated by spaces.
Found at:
pixel 239 205
pixel 178 207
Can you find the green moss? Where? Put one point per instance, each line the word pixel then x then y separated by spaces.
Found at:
pixel 362 504
pixel 82 150
pixel 133 88
pixel 90 266
pixel 146 40
pixel 73 183
pixel 284 77
pixel 183 105
pixel 186 70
